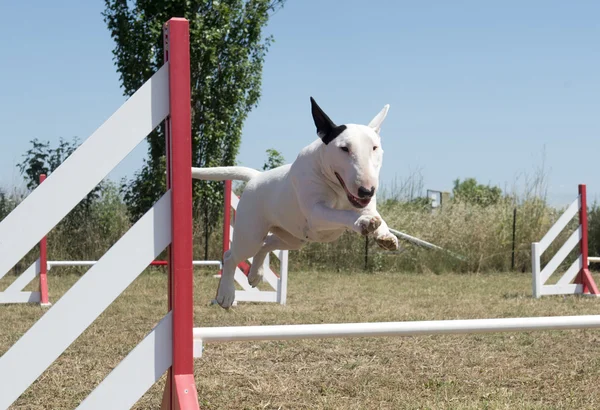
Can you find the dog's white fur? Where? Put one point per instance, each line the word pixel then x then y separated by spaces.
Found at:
pixel 285 207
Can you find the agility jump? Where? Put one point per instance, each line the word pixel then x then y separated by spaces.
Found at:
pixel 14 293
pixel 577 279
pixel 173 343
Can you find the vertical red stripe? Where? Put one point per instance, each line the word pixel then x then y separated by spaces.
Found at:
pixel 583 244
pixel 179 181
pixel 43 263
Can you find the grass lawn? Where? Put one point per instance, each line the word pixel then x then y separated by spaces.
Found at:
pixel 531 370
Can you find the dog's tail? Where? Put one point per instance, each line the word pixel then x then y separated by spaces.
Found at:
pixel 224 173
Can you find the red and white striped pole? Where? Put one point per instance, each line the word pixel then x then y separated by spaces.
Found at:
pixel 44 300
pixel 180 390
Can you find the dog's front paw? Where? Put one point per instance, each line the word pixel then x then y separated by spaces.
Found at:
pixel 255 276
pixel 387 241
pixel 367 224
pixel 226 293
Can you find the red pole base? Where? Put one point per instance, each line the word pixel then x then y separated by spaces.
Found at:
pixel 44 299
pixel 186 395
pixel 588 282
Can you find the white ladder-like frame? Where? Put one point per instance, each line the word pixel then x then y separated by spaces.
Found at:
pixel 578 271
pixel 278 284
pixel 51 201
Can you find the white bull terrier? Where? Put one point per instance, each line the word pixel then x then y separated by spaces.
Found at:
pixel 328 189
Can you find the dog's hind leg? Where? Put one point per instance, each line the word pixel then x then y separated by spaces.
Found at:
pixel 247 241
pixel 272 243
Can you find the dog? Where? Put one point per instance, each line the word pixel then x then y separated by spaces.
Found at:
pixel 330 188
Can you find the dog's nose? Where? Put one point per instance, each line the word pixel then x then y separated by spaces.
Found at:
pixel 365 193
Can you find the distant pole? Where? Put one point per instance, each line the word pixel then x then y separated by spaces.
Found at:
pixel 366 252
pixel 512 264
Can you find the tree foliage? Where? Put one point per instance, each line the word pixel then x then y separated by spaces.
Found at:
pixel 42 158
pixel 274 159
pixel 227 50
pixel 474 193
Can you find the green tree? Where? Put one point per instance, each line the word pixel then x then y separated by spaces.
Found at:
pixel 274 159
pixel 42 158
pixel 470 191
pixel 227 50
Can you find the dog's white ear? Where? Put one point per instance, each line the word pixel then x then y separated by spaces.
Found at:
pixel 378 119
pixel 326 129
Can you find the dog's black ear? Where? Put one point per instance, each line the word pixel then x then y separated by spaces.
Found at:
pixel 326 129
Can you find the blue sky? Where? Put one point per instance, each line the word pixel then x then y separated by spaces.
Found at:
pixel 476 89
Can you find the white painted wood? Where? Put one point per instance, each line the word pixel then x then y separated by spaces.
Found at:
pixel 242 280
pixel 571 289
pixel 24 278
pixel 234 200
pixel 264 296
pixel 282 289
pixel 91 263
pixel 51 201
pixel 560 224
pixel 536 270
pixel 560 256
pixel 415 328
pixel 573 270
pixel 19 297
pixel 142 367
pixel 593 259
pixel 21 365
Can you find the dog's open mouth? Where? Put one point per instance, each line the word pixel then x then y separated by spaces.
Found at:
pixel 354 200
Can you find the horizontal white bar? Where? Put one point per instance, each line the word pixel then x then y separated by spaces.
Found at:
pixel 90 263
pixel 559 225
pixel 416 328
pixel 19 297
pixel 593 259
pixel 570 289
pixel 262 296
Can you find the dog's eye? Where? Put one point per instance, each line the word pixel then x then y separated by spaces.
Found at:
pixel 375 147
pixel 345 149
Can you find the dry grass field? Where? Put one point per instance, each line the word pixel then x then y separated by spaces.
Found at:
pixel 530 370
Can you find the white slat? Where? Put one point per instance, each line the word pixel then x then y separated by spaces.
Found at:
pixel 282 289
pixel 234 200
pixel 573 270
pixel 562 289
pixel 51 201
pixel 270 277
pixel 242 296
pixel 19 297
pixel 242 280
pixel 562 253
pixel 85 301
pixel 560 224
pixel 24 278
pixel 142 367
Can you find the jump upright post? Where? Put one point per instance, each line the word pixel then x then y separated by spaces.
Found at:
pixel 577 279
pixel 278 283
pixel 168 224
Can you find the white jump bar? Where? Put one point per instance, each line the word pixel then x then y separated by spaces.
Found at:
pixel 593 259
pixel 90 263
pixel 288 332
